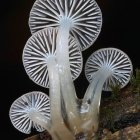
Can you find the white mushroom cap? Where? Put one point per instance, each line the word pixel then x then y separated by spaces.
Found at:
pixel 84 16
pixel 22 107
pixel 39 47
pixel 116 60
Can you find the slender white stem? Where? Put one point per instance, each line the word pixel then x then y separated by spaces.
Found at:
pixel 55 100
pixel 54 91
pixel 40 119
pixel 93 96
pixel 67 86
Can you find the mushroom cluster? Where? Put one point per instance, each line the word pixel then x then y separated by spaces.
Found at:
pixel 52 58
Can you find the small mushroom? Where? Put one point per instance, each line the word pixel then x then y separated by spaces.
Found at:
pixel 24 107
pixel 115 60
pixel 39 47
pixel 84 17
pixel 104 67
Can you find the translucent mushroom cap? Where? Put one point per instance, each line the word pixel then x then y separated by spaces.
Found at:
pixel 116 60
pixel 22 107
pixel 84 16
pixel 39 47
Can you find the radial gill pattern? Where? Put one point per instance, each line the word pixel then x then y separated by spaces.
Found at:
pixel 43 44
pixel 21 107
pixel 84 16
pixel 116 60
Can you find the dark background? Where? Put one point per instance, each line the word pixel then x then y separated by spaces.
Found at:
pixel 121 28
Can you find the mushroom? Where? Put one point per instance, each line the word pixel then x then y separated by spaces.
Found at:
pixel 28 107
pixel 39 47
pixel 39 59
pixel 115 60
pixel 104 67
pixel 84 18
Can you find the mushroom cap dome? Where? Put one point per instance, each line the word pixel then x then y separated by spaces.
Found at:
pixel 116 60
pixel 21 107
pixel 39 47
pixel 84 16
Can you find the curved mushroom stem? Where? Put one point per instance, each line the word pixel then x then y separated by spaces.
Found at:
pixel 67 86
pixel 44 122
pixel 57 121
pixel 93 97
pixel 40 119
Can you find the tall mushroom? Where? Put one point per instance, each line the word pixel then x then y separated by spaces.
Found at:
pixel 104 67
pixel 83 20
pixel 42 45
pixel 39 59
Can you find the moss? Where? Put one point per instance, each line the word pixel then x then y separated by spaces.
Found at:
pixel 115 90
pixel 135 81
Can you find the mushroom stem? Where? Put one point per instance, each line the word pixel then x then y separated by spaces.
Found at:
pixel 54 91
pixel 93 95
pixel 40 119
pixel 55 101
pixel 44 122
pixel 66 82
